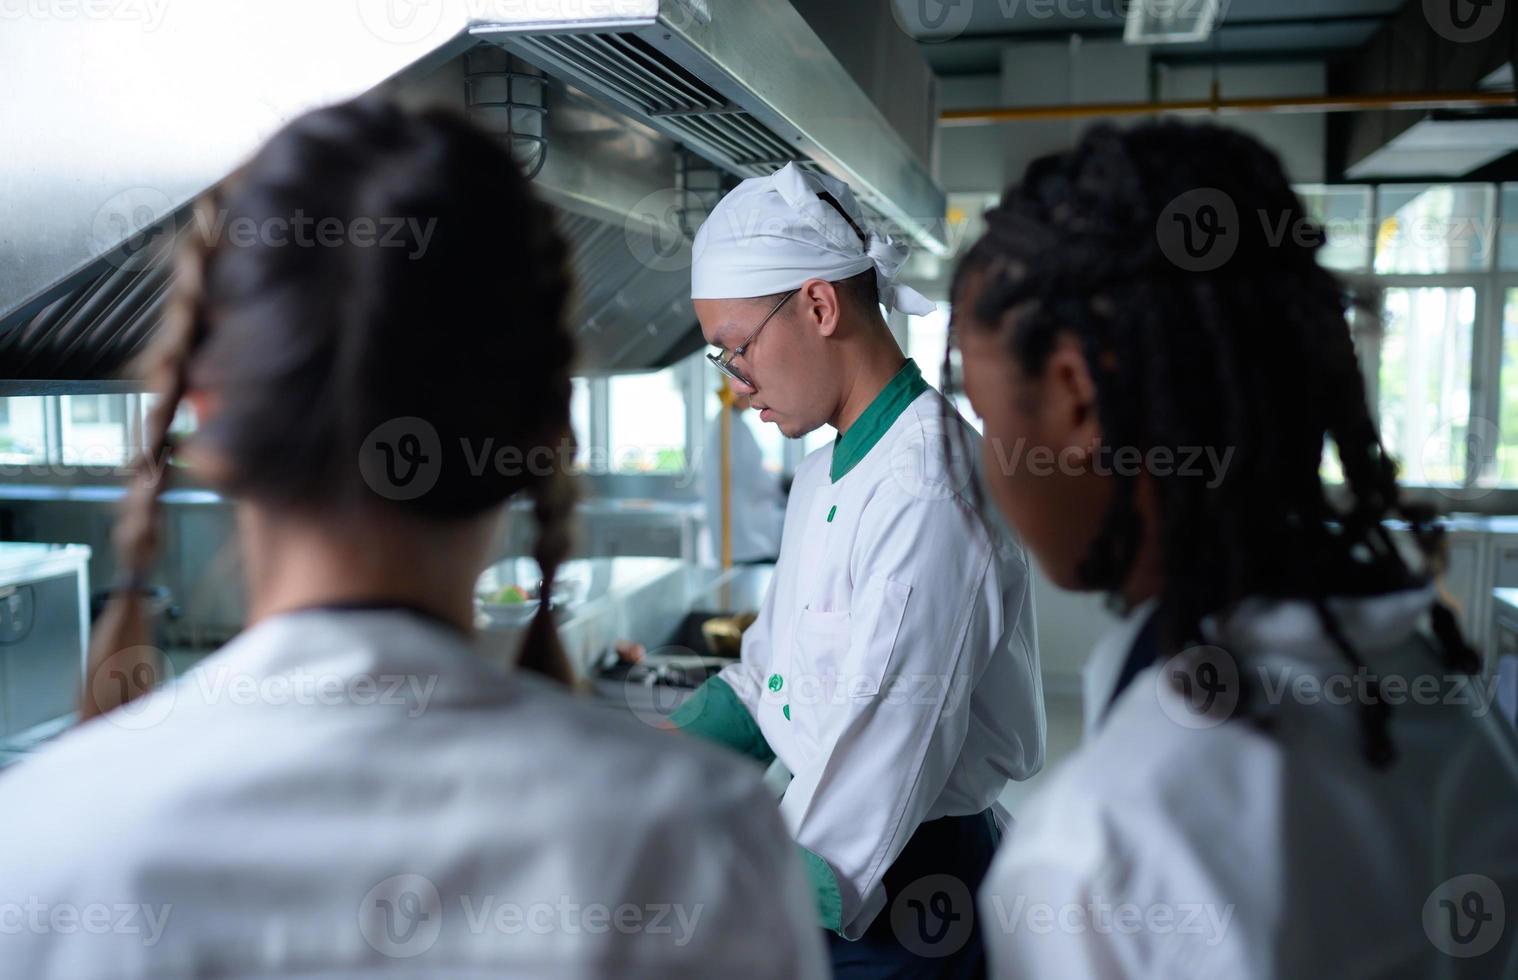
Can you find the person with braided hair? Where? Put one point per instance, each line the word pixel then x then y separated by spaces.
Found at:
pixel 347 788
pixel 1283 773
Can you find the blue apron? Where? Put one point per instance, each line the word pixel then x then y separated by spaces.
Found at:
pixel 928 927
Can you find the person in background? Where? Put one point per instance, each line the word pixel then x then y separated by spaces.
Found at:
pixel 1287 770
pixel 347 789
pixel 756 502
pixel 893 669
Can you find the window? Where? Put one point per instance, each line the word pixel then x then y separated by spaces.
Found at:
pixel 1507 414
pixel 94 430
pixel 771 440
pixel 1434 228
pixel 1424 381
pixel 1344 213
pixel 927 339
pixel 1507 238
pixel 647 422
pixel 579 418
pixel 23 431
pixel 819 437
pixel 184 418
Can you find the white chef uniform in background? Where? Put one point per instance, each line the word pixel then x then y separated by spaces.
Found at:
pixel 1156 850
pixel 757 503
pixel 462 822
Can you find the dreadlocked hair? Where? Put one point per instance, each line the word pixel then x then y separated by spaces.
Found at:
pixel 309 345
pixel 1252 355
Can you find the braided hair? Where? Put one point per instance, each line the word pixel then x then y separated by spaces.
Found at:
pixel 1251 355
pixel 306 350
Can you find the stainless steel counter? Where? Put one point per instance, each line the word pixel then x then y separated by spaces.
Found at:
pixel 44 628
pixel 644 600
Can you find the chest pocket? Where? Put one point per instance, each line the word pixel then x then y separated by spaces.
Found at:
pixel 847 653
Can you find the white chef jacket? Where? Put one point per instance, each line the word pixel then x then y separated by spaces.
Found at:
pixel 1178 845
pixel 758 506
pixel 355 793
pixel 893 668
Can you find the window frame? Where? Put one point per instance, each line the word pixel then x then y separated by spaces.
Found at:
pixel 1490 284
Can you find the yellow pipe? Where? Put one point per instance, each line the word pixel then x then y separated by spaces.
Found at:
pixel 726 397
pixel 1217 104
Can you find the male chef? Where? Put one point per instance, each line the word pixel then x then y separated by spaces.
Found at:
pixel 893 669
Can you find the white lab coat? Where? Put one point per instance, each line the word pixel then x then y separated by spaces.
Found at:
pixel 900 624
pixel 1172 847
pixel 758 505
pixel 243 822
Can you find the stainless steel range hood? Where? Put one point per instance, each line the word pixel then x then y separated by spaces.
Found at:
pixel 639 92
pixel 746 84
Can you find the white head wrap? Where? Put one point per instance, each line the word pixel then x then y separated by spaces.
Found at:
pixel 771 234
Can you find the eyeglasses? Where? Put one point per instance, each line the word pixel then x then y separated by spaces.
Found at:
pixel 724 360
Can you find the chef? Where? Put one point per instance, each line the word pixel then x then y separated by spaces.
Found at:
pixel 893 669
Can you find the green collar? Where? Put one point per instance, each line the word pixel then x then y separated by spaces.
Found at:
pixel 855 444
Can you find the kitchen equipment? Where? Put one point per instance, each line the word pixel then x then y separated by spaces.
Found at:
pixel 724 634
pixel 44 629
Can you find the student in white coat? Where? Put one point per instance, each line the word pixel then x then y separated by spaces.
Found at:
pixel 346 789
pixel 893 668
pixel 1290 769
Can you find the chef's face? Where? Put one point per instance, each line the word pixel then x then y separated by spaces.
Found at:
pixel 790 364
pixel 1040 432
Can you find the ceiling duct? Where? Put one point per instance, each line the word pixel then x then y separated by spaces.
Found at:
pixel 1417 51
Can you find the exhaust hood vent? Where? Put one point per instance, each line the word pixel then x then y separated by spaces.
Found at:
pixel 748 85
pixel 95 329
pixel 628 71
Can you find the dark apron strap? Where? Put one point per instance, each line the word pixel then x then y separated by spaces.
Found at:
pixel 928 928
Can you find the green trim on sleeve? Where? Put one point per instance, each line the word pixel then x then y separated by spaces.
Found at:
pixel 825 890
pixel 716 714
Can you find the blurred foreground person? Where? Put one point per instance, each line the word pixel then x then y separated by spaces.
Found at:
pixel 1289 769
pixel 346 789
